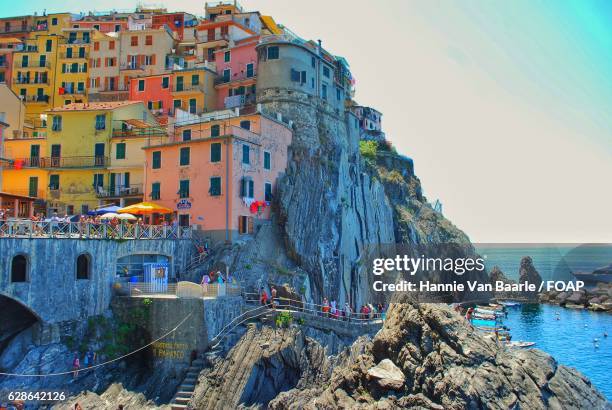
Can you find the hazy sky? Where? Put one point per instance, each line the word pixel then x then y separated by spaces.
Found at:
pixel 505 106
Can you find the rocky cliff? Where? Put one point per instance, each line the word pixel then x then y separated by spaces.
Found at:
pixel 426 356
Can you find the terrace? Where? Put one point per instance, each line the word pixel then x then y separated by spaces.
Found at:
pixel 25 228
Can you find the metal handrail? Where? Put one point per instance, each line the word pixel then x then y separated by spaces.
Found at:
pixel 76 230
pixel 305 308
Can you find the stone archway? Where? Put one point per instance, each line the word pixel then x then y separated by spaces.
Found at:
pixel 15 317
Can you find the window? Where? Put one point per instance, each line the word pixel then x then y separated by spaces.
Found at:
pixel 215 130
pixel 156 159
pixel 184 220
pixel 267 160
pixel 250 70
pixel 155 190
pixel 268 192
pixel 312 82
pixel 98 181
pixel 195 79
pixel 117 28
pixel 326 71
pixel 186 135
pixel 247 188
pixel 215 152
pixel 193 105
pixel 54 21
pixel 246 124
pixel 324 91
pixel 57 123
pixel 227 73
pixel 245 154
pixel 96 46
pixel 111 45
pixel 295 75
pixel 184 188
pixel 134 41
pixel 84 209
pixel 120 154
pixel 245 224
pixel 312 62
pixel 54 182
pixel 338 94
pixel 33 182
pixel 100 122
pixel 19 269
pixel 149 40
pixel 177 103
pixel 179 83
pixel 81 52
pixel 273 53
pixel 303 77
pixel 82 267
pixel 184 156
pixel 215 186
pixel 97 27
pixel 141 85
pixel 165 82
pixel 49 46
pixel 227 56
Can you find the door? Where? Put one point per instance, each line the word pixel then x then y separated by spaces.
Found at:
pixel 184 220
pixel 99 153
pixel 179 83
pixel 33 187
pixel 113 184
pixel 56 151
pixel 34 155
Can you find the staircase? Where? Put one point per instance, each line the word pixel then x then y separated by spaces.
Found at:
pixel 187 388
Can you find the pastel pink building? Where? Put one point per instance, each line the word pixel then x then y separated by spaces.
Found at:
pixel 237 74
pixel 219 175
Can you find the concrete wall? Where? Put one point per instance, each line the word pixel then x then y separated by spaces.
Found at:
pixel 52 291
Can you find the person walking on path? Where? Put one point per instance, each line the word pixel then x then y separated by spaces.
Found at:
pixel 273 297
pixel 76 365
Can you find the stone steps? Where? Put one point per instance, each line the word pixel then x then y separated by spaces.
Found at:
pixel 186 389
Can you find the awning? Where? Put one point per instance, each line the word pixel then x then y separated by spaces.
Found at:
pixel 138 124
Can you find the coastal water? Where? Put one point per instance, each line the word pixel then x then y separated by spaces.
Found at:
pixel 570 339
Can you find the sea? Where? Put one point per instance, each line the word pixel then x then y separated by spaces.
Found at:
pixel 574 337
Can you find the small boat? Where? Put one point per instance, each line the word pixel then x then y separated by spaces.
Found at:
pixel 510 304
pixel 520 344
pixel 489 312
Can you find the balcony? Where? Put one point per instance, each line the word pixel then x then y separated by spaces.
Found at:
pixel 78 40
pixel 119 191
pixel 73 92
pixel 132 66
pixel 72 56
pixel 42 99
pixel 239 100
pixel 34 64
pixel 242 76
pixel 28 81
pixel 74 162
pixel 139 132
pixel 187 88
pixel 31 162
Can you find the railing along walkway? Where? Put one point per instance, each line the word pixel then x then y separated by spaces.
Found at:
pixel 77 230
pixel 182 289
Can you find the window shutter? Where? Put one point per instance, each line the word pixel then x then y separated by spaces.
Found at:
pixel 241 224
pixel 243 187
pixel 250 222
pixel 153 59
pixel 251 189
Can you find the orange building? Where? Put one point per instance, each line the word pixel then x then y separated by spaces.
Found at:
pixel 219 174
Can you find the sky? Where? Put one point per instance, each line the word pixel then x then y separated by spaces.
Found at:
pixel 505 106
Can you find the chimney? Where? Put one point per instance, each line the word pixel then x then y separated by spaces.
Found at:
pixel 320 48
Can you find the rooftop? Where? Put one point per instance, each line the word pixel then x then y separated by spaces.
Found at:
pixel 94 106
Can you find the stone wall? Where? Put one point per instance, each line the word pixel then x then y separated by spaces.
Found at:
pixel 53 293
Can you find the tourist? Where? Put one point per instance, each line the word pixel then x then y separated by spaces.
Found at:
pixel 205 281
pixel 91 357
pixel 347 311
pixel 273 297
pixel 332 309
pixel 325 307
pixel 76 365
pixel 263 296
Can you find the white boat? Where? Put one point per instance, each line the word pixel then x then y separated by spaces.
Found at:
pixel 510 304
pixel 520 344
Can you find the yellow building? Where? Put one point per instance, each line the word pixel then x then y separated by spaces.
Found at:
pixel 193 90
pixel 73 67
pixel 78 155
pixel 33 73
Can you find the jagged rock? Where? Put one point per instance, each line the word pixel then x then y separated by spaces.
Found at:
pixel 529 274
pixel 447 365
pixel 387 375
pixel 109 400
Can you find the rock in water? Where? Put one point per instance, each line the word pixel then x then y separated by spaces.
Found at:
pixel 387 375
pixel 528 273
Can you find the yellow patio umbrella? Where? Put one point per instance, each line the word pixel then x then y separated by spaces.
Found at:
pixel 144 208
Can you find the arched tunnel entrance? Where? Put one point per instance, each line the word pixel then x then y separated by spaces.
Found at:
pixel 14 319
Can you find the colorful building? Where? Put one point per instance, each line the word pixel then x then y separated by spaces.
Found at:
pixel 237 74
pixel 182 24
pixel 370 123
pixel 73 67
pixel 78 151
pixel 219 174
pixel 7 47
pixel 104 78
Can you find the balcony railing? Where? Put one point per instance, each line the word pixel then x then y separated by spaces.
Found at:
pixel 187 87
pixel 69 230
pixel 18 29
pixel 119 191
pixel 32 162
pixel 132 66
pixel 34 64
pixel 141 132
pixel 74 91
pixel 74 162
pixel 235 77
pixel 37 98
pixel 72 56
pixel 30 81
